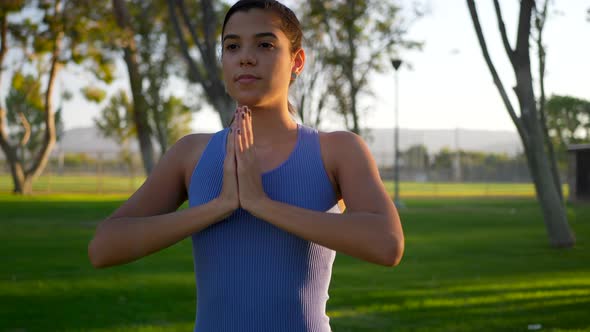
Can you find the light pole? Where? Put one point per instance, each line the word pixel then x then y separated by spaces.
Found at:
pixel 398 203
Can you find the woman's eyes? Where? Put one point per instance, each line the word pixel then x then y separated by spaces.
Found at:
pixel 266 45
pixel 233 47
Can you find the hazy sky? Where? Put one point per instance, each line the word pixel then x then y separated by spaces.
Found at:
pixel 449 84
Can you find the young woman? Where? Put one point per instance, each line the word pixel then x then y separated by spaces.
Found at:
pixel 263 194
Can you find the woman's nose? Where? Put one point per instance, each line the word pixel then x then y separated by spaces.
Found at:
pixel 247 59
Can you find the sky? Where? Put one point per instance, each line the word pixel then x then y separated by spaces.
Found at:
pixel 447 84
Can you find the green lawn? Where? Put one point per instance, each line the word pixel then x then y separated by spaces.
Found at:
pixel 470 265
pixel 120 184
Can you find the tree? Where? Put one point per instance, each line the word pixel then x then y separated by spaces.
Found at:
pixel 170 117
pixel 540 17
pixel 43 37
pixel 416 157
pixel 176 118
pixel 42 43
pixel 358 37
pixel 25 102
pixel 197 30
pixel 151 61
pixel 140 106
pixel 310 90
pixel 528 122
pixel 116 121
pixel 568 120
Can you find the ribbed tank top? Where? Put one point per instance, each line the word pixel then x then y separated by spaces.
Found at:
pixel 251 276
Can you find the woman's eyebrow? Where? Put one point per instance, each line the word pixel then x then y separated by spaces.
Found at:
pixel 266 34
pixel 258 35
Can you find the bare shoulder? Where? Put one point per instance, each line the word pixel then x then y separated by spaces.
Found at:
pixel 189 150
pixel 355 172
pixel 340 148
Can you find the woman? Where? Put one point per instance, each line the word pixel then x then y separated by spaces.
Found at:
pixel 263 194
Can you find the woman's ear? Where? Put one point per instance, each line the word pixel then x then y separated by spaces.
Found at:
pixel 298 62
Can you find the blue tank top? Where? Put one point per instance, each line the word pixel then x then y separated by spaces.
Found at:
pixel 251 276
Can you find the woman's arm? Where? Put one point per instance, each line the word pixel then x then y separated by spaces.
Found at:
pixel 370 229
pixel 146 222
pixel 125 239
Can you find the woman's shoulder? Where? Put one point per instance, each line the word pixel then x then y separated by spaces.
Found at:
pixel 339 150
pixel 340 147
pixel 189 150
pixel 337 142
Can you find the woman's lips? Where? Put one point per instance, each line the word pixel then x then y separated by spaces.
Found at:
pixel 245 79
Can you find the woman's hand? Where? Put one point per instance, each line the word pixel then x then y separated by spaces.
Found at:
pixel 229 189
pixel 251 192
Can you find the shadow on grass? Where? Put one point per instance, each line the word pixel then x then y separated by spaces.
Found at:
pixel 470 265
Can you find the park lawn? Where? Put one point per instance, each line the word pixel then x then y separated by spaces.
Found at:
pixel 469 265
pixel 92 183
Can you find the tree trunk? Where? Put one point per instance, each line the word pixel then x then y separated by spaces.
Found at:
pixel 140 116
pixel 17 173
pixel 554 214
pixel 546 186
pixel 40 161
pixel 353 110
pixel 23 178
pixel 207 73
pixel 540 19
pixel 528 124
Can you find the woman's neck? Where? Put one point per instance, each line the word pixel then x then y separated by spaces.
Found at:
pixel 270 125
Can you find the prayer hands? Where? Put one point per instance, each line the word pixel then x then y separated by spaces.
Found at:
pixel 242 182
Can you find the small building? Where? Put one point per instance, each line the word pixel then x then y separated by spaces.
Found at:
pixel 579 172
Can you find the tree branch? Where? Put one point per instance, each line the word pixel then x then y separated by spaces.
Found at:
pixel 3 50
pixel 503 33
pixel 191 28
pixel 492 68
pixel 540 17
pixel 42 157
pixel 524 27
pixel 209 27
pixel 540 25
pixel 192 67
pixel 27 127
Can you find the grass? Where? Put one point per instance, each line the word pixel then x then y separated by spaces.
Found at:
pixel 124 185
pixel 470 265
pixel 78 184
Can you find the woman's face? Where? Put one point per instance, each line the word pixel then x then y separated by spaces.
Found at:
pixel 256 60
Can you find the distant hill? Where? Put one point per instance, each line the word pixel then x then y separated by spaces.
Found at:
pixel 380 141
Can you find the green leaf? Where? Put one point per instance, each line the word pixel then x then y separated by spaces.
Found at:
pixel 94 94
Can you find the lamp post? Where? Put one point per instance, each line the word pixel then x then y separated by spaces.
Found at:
pixel 398 203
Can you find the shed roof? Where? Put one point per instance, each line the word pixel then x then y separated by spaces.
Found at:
pixel 578 147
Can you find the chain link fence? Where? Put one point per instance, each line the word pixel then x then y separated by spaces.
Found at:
pixel 103 173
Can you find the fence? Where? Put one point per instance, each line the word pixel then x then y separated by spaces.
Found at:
pixel 94 173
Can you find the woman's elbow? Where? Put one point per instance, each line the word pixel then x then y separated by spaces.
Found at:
pixel 94 255
pixel 393 252
pixel 96 249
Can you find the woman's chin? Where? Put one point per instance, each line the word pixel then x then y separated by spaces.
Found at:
pixel 248 100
